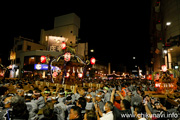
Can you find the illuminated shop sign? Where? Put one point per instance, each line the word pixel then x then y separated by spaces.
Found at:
pixel 56 43
pixel 42 67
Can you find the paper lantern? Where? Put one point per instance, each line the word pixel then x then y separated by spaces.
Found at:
pixel 43 59
pixel 63 45
pixel 67 57
pixel 93 61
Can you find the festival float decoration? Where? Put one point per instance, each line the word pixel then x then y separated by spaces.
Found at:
pixel 166 83
pixel 68 63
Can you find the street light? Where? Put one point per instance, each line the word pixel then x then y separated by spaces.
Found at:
pixel 92 50
pixel 176 67
pixel 165 51
pixel 165 42
pixel 168 23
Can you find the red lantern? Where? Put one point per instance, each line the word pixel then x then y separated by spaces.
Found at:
pixel 43 59
pixel 93 61
pixel 63 45
pixel 67 56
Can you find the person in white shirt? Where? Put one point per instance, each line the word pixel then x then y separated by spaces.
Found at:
pixel 89 102
pixel 108 107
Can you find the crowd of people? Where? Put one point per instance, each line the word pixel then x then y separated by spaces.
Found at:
pixel 113 100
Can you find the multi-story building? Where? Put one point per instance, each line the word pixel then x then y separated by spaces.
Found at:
pixel 64 26
pixel 66 29
pixel 165 34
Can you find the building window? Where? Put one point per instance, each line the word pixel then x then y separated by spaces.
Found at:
pixel 28 47
pixel 32 60
pixel 19 47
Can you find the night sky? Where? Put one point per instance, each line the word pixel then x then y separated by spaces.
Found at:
pixel 116 31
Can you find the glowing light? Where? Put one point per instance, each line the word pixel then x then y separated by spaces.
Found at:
pixel 58 39
pixel 165 51
pixel 157 85
pixel 93 61
pixel 67 75
pixel 63 45
pixel 43 59
pixel 80 75
pixel 92 50
pixel 164 68
pixel 67 57
pixel 168 23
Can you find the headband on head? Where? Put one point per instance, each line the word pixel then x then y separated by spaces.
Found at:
pixel 19 90
pixel 28 94
pixel 47 92
pixel 11 94
pixel 54 98
pixel 88 97
pixel 98 95
pixel 36 93
pixel 68 100
pixel 53 92
pixel 62 93
pixel 106 88
pixel 69 92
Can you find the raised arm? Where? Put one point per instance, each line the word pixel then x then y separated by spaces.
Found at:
pixel 119 93
pixel 112 96
pixel 147 110
pixel 97 111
